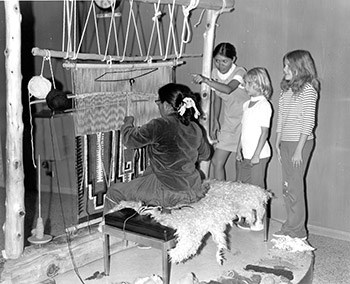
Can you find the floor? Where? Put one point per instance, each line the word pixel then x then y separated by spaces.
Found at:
pixel 332 257
pixel 245 248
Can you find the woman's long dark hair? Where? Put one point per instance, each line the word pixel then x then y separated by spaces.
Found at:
pixel 174 94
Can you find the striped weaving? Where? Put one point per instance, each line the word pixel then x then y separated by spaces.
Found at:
pixel 100 112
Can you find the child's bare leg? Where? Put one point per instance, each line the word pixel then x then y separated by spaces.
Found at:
pixel 218 161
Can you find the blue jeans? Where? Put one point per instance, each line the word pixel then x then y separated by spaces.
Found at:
pixel 294 188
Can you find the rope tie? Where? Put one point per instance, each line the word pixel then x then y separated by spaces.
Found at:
pixel 157 15
pixel 47 57
pixel 149 60
pixel 110 61
pixel 186 31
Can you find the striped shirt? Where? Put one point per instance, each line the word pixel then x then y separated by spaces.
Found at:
pixel 297 114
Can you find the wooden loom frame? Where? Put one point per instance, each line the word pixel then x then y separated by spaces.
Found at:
pixel 15 212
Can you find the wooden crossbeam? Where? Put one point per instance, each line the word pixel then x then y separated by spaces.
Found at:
pixel 204 4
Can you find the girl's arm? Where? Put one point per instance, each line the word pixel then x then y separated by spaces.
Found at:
pixel 263 137
pixel 215 127
pixel 239 150
pixel 309 100
pixel 278 144
pixel 217 86
pixel 221 87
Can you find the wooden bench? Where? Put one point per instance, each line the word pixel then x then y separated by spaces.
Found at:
pixel 128 225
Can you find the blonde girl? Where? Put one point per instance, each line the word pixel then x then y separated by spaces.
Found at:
pixel 254 152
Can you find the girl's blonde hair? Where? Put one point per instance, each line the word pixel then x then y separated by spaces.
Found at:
pixel 303 69
pixel 261 80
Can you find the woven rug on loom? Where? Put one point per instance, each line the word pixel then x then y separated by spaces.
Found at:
pixel 103 97
pixel 224 202
pixel 102 160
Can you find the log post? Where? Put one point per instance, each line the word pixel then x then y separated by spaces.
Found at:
pixel 14 224
pixel 208 46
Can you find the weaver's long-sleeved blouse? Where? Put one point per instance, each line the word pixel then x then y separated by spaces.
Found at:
pixel 173 149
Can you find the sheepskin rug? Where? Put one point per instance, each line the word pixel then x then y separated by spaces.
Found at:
pixel 224 202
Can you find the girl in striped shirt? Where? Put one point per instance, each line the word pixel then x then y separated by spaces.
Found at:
pixel 295 139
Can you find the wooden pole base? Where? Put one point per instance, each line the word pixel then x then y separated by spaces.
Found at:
pixel 36 241
pixel 41 262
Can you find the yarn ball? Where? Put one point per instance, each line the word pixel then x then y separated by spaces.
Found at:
pixel 58 100
pixel 39 87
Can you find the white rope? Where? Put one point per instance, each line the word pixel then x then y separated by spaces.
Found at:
pixel 159 14
pixel 64 25
pixel 131 15
pixel 127 31
pixel 171 31
pixel 69 15
pixel 155 19
pixel 47 57
pixel 75 26
pixel 96 30
pixel 200 19
pixel 115 28
pixel 137 32
pixel 112 24
pixel 108 37
pixel 31 131
pixel 186 30
pixel 84 30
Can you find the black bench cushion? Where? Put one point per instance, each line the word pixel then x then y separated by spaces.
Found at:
pixel 131 221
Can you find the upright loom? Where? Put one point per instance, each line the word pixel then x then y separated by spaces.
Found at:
pixel 118 60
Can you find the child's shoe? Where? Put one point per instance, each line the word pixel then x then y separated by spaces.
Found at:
pixel 242 224
pixel 258 226
pixel 279 234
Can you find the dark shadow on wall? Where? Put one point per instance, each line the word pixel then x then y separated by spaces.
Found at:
pixel 28 70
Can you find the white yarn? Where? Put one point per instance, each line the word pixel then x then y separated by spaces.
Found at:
pixel 39 87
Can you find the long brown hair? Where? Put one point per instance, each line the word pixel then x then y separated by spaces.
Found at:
pixel 304 71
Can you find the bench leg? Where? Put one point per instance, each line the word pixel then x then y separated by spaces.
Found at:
pixel 265 228
pixel 266 221
pixel 106 254
pixel 166 266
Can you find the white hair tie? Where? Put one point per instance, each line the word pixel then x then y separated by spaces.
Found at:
pixel 188 103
